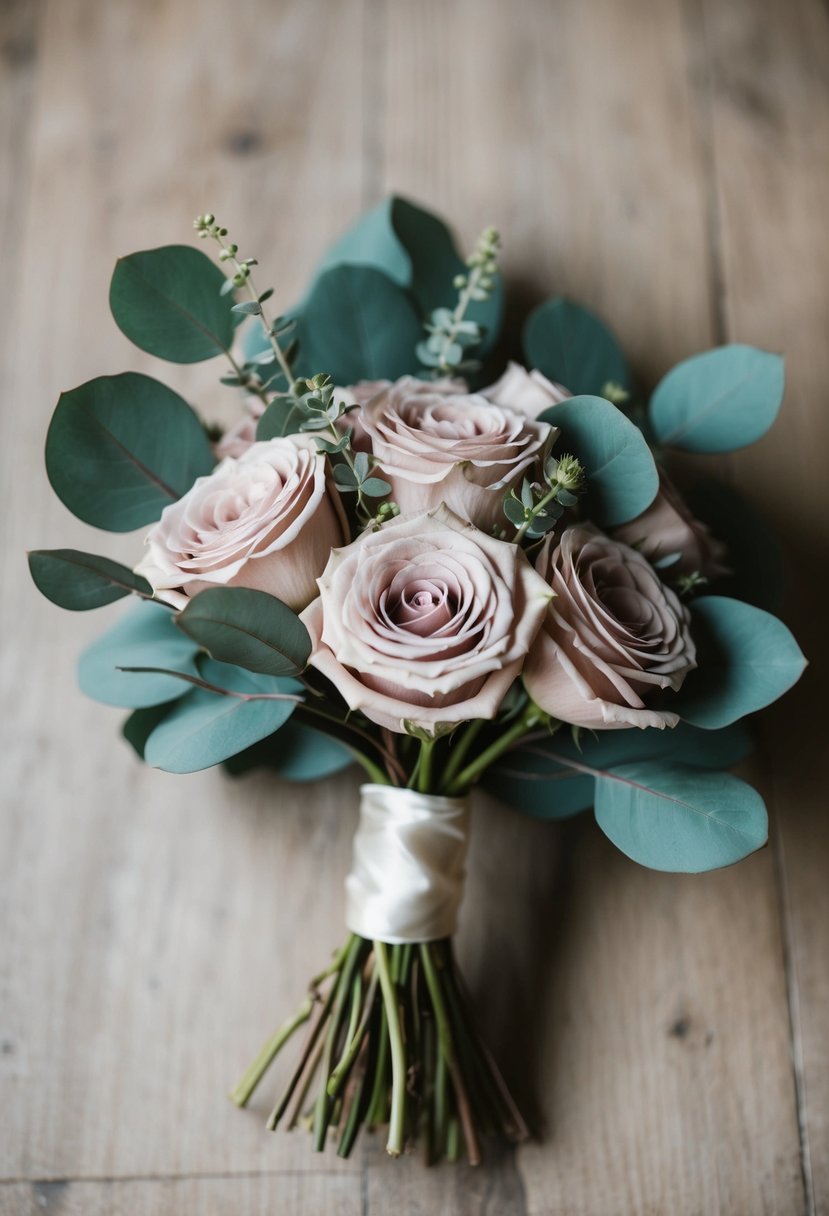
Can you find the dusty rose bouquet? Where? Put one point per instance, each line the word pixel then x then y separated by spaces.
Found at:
pixel 406 557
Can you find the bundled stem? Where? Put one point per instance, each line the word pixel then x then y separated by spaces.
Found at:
pixel 391 1042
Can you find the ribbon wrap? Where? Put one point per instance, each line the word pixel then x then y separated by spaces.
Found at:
pixel 406 880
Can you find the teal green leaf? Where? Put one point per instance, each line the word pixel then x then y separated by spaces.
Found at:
pixel 297 753
pixel 572 346
pixel 145 636
pixel 747 659
pixel 718 401
pixel 168 302
pixel 204 728
pixel 415 249
pixel 684 820
pixel 622 480
pixel 141 723
pixel 79 581
pixel 122 448
pixel 357 324
pixel 280 418
pixel 536 778
pixel 249 628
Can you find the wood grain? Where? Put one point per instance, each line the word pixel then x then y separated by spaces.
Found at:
pixel 663 161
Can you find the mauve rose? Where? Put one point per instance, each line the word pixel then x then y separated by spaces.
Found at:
pixel 426 620
pixel 443 445
pixel 528 393
pixel 364 390
pixel 613 634
pixel 668 527
pixel 265 520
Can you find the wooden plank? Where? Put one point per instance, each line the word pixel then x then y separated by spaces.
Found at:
pixel 653 1007
pixel 157 928
pixel 770 111
pixel 299 1194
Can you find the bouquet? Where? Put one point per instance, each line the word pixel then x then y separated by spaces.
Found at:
pixel 408 556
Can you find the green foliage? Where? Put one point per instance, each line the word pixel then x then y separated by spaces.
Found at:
pixel 452 335
pixel 573 347
pixel 357 324
pixel 622 480
pixel 531 779
pixel 168 302
pixel 144 637
pixel 142 722
pixel 718 401
pixel 78 581
pixel 747 659
pixel 204 728
pixel 121 448
pixel 249 628
pixel 297 753
pixel 415 250
pixel 680 819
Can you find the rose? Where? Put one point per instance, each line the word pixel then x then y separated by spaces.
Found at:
pixel 667 528
pixel 525 392
pixel 264 520
pixel 426 620
pixel 443 445
pixel 365 390
pixel 613 634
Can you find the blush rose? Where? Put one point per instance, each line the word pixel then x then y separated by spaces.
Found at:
pixel 613 635
pixel 426 620
pixel 438 444
pixel 668 528
pixel 528 393
pixel 264 520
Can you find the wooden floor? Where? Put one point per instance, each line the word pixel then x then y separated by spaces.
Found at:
pixel 667 163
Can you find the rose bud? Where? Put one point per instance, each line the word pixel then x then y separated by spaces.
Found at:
pixel 528 393
pixel 426 620
pixel 613 635
pixel 668 528
pixel 441 445
pixel 265 520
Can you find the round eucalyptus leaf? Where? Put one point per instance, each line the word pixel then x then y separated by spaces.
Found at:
pixel 79 581
pixel 121 448
pixel 249 628
pixel 570 345
pixel 718 401
pixel 168 302
pixel 145 636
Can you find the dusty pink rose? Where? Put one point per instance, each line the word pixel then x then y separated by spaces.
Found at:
pixel 361 393
pixel 612 636
pixel 427 620
pixel 528 393
pixel 239 437
pixel 265 520
pixel 441 445
pixel 668 528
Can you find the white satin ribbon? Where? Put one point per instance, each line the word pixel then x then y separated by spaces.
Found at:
pixel 406 880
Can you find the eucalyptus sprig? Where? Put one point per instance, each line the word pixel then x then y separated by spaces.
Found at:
pixel 450 332
pixel 242 277
pixel 540 505
pixel 353 472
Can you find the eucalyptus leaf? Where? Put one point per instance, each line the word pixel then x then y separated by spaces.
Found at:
pixel 357 324
pixel 145 636
pixel 718 401
pixel 249 628
pixel 570 345
pixel 684 820
pixel 298 753
pixel 141 723
pixel 168 302
pixel 753 552
pixel 79 581
pixel 204 728
pixel 622 480
pixel 415 249
pixel 282 417
pixel 122 448
pixel 747 659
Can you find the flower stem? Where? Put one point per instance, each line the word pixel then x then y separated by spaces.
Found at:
pixel 460 750
pixel 397 1120
pixel 473 770
pixel 241 1093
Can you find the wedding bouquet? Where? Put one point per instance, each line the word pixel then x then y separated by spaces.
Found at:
pixel 406 557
